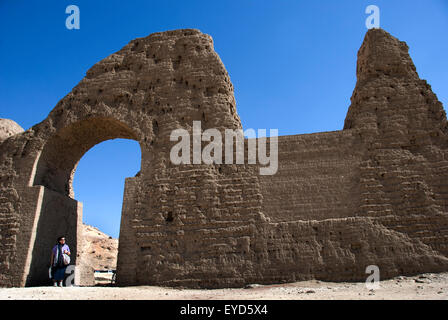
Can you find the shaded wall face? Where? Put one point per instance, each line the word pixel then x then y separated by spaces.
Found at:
pixel 58 216
pixel 17 208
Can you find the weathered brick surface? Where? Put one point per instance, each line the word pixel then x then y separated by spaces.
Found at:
pixel 372 193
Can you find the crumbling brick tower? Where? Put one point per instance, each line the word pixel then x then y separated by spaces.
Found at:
pixel 375 192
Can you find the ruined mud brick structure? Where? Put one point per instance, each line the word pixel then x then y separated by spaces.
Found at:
pixel 374 193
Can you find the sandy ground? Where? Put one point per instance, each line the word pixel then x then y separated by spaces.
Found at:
pixel 426 286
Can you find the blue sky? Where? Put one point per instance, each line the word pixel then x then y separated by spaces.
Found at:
pixel 292 64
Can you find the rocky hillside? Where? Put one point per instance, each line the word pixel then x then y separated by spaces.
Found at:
pixel 99 250
pixel 9 128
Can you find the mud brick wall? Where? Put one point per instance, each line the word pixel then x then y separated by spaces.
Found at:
pixel 373 193
pixel 317 179
pixel 404 127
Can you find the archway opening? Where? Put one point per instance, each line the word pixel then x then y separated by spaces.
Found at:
pixel 58 160
pixel 57 211
pixel 99 184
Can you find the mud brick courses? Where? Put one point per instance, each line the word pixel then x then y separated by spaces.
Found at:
pixel 374 193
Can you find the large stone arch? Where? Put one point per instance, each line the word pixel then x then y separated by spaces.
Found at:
pixel 142 92
pixel 57 162
pixel 59 212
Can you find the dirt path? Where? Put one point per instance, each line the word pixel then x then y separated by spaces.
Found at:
pixel 427 286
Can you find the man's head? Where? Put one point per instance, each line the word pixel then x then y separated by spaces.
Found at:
pixel 61 240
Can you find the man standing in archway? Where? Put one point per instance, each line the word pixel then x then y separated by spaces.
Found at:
pixel 60 259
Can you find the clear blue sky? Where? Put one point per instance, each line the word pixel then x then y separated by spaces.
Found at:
pixel 292 64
